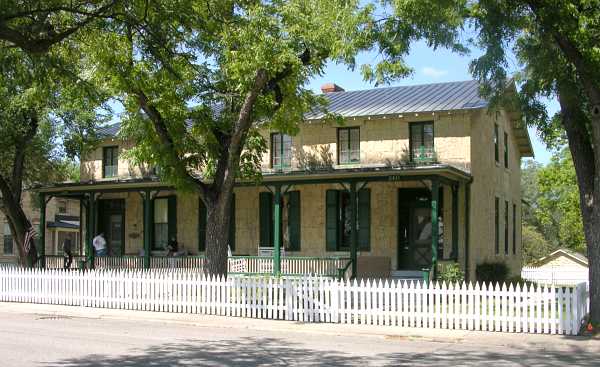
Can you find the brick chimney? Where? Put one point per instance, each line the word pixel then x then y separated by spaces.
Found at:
pixel 331 87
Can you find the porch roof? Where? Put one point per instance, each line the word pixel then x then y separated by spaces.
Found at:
pixel 442 172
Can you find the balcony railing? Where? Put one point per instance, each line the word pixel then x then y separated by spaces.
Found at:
pixel 423 155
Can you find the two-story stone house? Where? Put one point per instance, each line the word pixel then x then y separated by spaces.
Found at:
pixel 406 155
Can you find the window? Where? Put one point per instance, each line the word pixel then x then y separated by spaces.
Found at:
pixel 165 221
pixel 348 145
pixel 62 206
pixel 496 153
pixel 505 150
pixel 8 240
pixel 497 226
pixel 339 222
pixel 514 229
pixel 281 151
pixel 506 227
pixel 290 220
pixel 421 142
pixel 110 161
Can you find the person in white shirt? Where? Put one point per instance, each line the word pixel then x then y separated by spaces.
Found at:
pixel 99 244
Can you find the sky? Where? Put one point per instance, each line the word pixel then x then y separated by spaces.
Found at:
pixel 429 67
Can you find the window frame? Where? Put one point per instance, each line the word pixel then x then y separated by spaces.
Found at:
pixel 154 245
pixel 114 158
pixel 7 236
pixel 496 139
pixel 497 225
pixel 514 233
pixel 281 151
pixel 422 125
pixel 506 238
pixel 349 145
pixel 505 150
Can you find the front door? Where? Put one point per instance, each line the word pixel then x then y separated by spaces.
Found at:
pixel 414 229
pixel 111 221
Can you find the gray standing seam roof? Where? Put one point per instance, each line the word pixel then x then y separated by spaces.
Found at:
pixel 388 101
pixel 405 99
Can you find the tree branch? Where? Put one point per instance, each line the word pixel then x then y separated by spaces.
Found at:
pixel 16 180
pixel 42 45
pixel 166 140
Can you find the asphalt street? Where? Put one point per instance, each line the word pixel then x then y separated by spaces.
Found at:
pixel 38 339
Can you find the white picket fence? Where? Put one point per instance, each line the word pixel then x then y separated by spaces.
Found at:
pixel 534 309
pixel 559 275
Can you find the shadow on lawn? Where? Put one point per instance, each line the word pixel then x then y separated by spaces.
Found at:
pixel 272 351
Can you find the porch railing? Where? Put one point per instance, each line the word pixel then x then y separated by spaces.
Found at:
pixel 290 265
pixel 119 262
pixel 180 262
pixel 57 261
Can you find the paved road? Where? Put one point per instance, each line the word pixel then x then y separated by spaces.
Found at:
pixel 52 340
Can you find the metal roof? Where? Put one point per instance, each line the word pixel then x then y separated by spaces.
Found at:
pixel 109 130
pixel 397 100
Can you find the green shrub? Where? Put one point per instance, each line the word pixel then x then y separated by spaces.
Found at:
pixel 451 273
pixel 492 272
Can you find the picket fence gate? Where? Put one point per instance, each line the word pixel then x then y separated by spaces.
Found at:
pixel 528 309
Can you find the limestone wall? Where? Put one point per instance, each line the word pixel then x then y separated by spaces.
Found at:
pixel 383 141
pixel 491 179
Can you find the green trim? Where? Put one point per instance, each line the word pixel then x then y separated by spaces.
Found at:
pixel 277 233
pixel 353 229
pixel 435 191
pixel 42 249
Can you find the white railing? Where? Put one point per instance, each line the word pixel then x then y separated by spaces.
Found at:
pixel 178 262
pixel 290 265
pixel 558 275
pixel 533 309
pixel 57 261
pixel 118 262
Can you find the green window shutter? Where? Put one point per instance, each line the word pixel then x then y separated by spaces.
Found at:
pixel 294 220
pixel 201 225
pixel 364 219
pixel 266 218
pixel 331 220
pixel 232 224
pixel 172 213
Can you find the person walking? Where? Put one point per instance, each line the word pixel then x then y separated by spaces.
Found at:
pixel 67 253
pixel 99 244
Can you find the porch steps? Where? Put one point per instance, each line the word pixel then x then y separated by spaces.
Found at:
pixel 407 274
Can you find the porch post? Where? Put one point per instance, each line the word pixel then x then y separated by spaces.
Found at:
pixel 42 249
pixel 91 228
pixel 276 232
pixel 147 227
pixel 454 254
pixel 467 227
pixel 353 233
pixel 435 187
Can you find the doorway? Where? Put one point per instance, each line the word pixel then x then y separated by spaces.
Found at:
pixel 111 222
pixel 414 229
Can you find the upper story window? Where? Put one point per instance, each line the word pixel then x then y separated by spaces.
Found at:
pixel 8 240
pixel 505 150
pixel 348 142
pixel 496 153
pixel 110 161
pixel 281 151
pixel 421 141
pixel 62 206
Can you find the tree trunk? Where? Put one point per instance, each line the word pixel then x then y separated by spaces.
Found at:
pixel 217 231
pixel 585 162
pixel 18 223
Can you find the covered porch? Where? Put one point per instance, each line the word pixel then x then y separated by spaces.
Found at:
pixel 406 220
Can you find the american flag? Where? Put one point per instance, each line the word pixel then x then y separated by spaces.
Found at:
pixel 29 236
